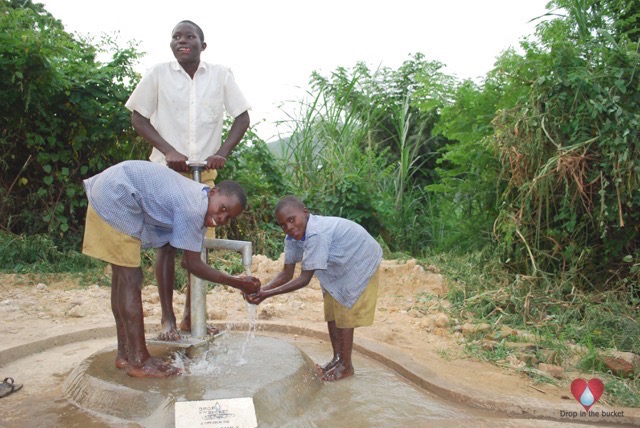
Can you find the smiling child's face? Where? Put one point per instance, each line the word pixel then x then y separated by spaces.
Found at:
pixel 293 220
pixel 186 44
pixel 222 208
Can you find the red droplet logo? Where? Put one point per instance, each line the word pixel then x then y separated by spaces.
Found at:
pixel 587 393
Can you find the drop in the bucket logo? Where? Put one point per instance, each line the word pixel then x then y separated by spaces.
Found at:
pixel 587 392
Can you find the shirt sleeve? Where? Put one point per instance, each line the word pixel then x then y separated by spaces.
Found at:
pixel 234 100
pixel 292 252
pixel 316 252
pixel 186 233
pixel 144 98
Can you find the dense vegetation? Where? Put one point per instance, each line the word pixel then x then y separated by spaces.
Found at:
pixel 525 186
pixel 61 120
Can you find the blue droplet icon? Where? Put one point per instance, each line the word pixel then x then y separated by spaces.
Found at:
pixel 586 399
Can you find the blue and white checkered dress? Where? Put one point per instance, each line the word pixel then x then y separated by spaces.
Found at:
pixel 342 253
pixel 152 203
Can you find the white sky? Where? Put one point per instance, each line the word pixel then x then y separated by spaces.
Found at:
pixel 273 46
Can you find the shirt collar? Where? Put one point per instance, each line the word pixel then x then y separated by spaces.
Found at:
pixel 175 65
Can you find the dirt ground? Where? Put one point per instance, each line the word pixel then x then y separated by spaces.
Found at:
pixel 411 317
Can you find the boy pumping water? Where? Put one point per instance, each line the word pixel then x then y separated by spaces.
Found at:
pixel 178 108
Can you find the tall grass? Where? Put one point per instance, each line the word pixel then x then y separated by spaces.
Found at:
pixel 412 222
pixel 351 155
pixel 330 156
pixel 39 254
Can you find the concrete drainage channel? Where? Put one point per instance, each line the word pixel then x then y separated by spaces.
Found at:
pixel 474 407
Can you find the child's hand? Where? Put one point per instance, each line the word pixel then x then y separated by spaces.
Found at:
pixel 215 162
pixel 248 284
pixel 177 161
pixel 255 298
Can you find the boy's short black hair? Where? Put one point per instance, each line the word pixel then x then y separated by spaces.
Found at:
pixel 198 29
pixel 289 200
pixel 231 188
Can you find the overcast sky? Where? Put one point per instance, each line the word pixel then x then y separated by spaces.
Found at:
pixel 272 46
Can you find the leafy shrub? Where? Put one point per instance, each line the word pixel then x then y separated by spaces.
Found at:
pixel 38 253
pixel 259 172
pixel 570 151
pixel 62 119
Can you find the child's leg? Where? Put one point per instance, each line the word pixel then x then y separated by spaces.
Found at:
pixel 121 355
pixel 165 271
pixel 185 324
pixel 344 321
pixel 335 345
pixel 128 301
pixel 343 367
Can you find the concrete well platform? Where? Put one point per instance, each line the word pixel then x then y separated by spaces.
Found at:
pixel 234 367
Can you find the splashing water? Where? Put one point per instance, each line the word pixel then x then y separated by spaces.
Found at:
pixel 177 360
pixel 251 317
pixel 202 365
pixel 219 355
pixel 251 332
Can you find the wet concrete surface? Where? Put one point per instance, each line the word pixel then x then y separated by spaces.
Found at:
pixel 378 397
pixel 277 375
pixel 375 396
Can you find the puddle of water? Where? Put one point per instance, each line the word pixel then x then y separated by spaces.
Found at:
pixel 375 396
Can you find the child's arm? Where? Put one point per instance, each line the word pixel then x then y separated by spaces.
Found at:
pixel 175 160
pixel 236 132
pixel 275 287
pixel 282 278
pixel 192 262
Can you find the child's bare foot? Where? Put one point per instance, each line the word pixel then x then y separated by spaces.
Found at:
pixel 121 361
pixel 170 333
pixel 338 372
pixel 212 330
pixel 321 370
pixel 153 367
pixel 185 325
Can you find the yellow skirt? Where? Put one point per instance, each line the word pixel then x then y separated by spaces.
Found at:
pixel 101 241
pixel 361 313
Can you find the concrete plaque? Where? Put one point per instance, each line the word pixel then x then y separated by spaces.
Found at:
pixel 227 413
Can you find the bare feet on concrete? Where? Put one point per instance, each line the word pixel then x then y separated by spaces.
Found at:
pixel 321 370
pixel 185 325
pixel 153 367
pixel 121 361
pixel 339 371
pixel 169 332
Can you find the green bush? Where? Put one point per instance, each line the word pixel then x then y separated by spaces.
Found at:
pixel 570 151
pixel 261 175
pixel 62 119
pixel 38 253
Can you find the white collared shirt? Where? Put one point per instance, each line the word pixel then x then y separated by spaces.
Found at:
pixel 188 113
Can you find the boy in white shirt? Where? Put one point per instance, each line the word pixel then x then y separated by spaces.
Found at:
pixel 178 107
